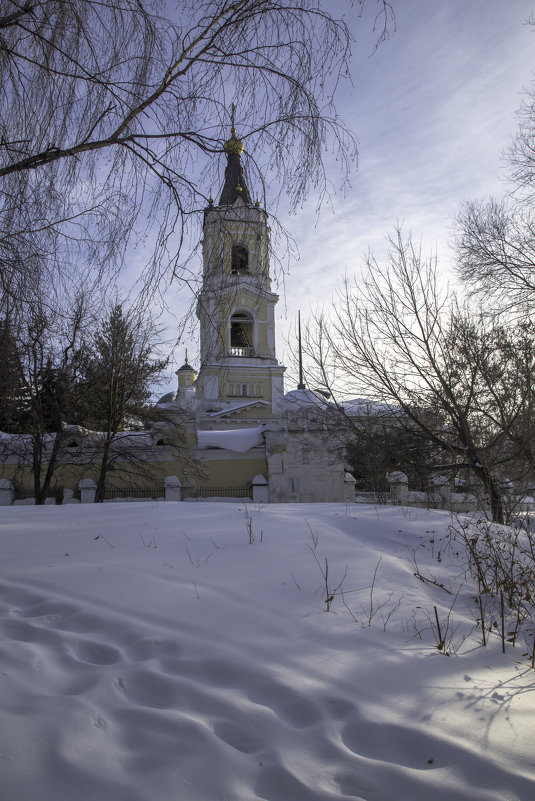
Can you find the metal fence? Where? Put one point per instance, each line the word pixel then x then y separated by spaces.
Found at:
pixel 245 491
pixel 156 491
pixel 24 494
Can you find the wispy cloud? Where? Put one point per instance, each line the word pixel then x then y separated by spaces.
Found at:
pixel 434 109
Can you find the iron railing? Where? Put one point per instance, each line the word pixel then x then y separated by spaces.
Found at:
pixel 156 491
pixel 24 494
pixel 245 491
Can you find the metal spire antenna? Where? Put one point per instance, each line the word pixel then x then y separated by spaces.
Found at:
pixel 301 384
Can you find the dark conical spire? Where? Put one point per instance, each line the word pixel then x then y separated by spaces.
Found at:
pixel 235 185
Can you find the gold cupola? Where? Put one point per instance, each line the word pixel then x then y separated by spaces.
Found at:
pixel 233 145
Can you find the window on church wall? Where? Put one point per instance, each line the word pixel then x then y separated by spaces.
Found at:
pixel 239 260
pixel 240 390
pixel 241 334
pixel 258 390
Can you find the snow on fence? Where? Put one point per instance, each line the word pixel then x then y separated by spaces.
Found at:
pixel 441 494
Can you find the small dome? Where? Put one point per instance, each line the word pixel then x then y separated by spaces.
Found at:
pixel 185 367
pixel 167 398
pixel 233 145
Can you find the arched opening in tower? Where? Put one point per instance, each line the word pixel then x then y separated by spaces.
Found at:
pixel 239 262
pixel 241 334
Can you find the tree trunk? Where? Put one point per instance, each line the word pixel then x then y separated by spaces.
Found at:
pixel 37 449
pixel 493 491
pixel 104 465
pixel 50 469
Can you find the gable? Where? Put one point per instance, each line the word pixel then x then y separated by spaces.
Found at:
pixel 240 409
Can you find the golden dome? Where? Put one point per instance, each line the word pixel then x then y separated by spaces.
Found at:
pixel 233 145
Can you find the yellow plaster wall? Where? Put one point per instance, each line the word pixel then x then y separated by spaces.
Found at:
pixel 149 472
pixel 233 472
pixel 249 377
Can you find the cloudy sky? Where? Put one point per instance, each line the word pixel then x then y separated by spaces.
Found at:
pixel 433 109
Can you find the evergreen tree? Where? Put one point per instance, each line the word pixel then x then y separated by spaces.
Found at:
pixel 119 376
pixel 11 387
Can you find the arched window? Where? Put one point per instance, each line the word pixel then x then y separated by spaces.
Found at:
pixel 239 260
pixel 258 390
pixel 241 334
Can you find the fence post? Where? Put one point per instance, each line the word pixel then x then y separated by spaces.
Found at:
pixel 7 493
pixel 399 487
pixel 87 489
pixel 350 484
pixel 173 488
pixel 441 489
pixel 68 497
pixel 260 489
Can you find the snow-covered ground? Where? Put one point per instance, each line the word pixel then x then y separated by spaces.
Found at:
pixel 149 652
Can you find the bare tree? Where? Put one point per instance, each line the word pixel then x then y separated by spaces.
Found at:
pixel 76 390
pixel 108 109
pixel 398 337
pixel 505 399
pixel 495 237
pixel 495 241
pixel 521 153
pixel 47 361
pixel 380 444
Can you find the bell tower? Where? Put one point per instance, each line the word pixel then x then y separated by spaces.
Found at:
pixel 240 379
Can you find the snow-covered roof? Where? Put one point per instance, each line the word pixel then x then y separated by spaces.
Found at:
pixel 364 406
pixel 239 440
pixel 166 399
pixel 186 368
pixel 303 398
pixel 83 435
pixel 238 407
pixel 397 477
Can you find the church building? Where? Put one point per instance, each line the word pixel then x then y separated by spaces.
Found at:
pixel 230 429
pixel 241 426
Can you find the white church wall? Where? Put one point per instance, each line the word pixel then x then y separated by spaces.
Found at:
pixel 303 467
